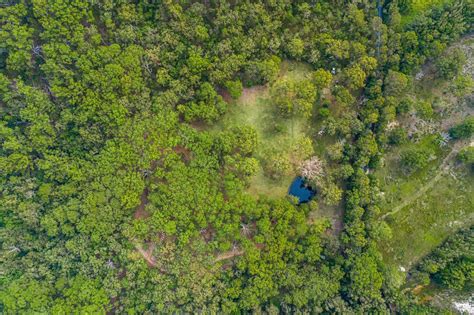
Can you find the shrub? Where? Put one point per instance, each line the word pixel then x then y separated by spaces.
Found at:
pixel 464 130
pixel 324 112
pixel 277 166
pixel 398 136
pixel 450 65
pixel 331 193
pixel 415 158
pixel 405 106
pixel 424 109
pixel 463 85
pixel 467 155
pixel 235 88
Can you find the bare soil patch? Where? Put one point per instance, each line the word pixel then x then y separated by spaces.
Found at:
pixel 140 212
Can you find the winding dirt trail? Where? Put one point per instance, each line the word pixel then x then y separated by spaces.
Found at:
pixel 443 169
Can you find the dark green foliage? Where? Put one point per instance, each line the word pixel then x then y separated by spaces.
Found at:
pixel 458 275
pixel 208 105
pixel 261 72
pixel 428 34
pixel 405 106
pixel 65 296
pixel 415 158
pixel 450 65
pixel 467 155
pixel 464 130
pixel 452 264
pixel 398 136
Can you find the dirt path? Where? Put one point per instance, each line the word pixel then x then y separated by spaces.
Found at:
pixel 147 254
pixel 443 169
pixel 140 211
pixel 229 254
pixel 235 252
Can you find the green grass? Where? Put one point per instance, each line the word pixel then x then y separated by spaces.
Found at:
pixel 255 108
pixel 423 225
pixel 397 185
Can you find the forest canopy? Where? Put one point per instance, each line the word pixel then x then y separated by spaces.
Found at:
pixel 121 190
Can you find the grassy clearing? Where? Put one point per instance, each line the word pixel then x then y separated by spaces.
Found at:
pixel 395 184
pixel 425 224
pixel 255 108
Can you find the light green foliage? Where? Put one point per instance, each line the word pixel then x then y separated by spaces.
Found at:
pixel 424 109
pixel 284 162
pixel 277 166
pixel 294 98
pixel 25 295
pixel 79 295
pixel 395 18
pixel 208 107
pixel 338 49
pixel 356 74
pixel 382 232
pixel 366 280
pixel 234 88
pixel 355 77
pixel 322 79
pixel 296 48
pixel 463 85
pixel 358 18
pixel 367 147
pixel 331 193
